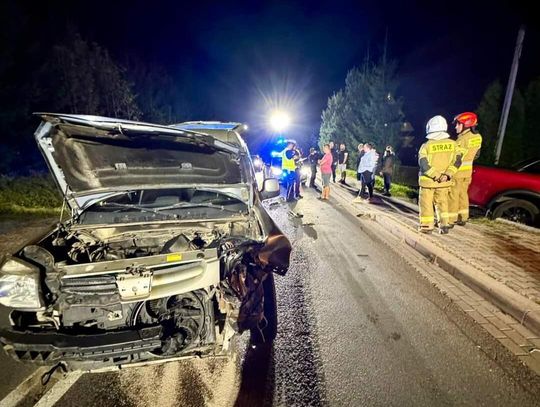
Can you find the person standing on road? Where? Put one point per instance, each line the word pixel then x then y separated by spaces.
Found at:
pixel 288 167
pixel 469 142
pixel 313 159
pixel 439 160
pixel 343 157
pixel 387 169
pixel 326 171
pixel 297 172
pixel 335 159
pixel 358 159
pixel 366 168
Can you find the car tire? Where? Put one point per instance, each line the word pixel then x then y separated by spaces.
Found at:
pixel 269 332
pixel 517 210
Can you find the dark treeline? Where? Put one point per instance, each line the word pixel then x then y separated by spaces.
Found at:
pixel 60 71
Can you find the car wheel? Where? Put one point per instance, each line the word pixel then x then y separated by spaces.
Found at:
pixel 517 210
pixel 269 331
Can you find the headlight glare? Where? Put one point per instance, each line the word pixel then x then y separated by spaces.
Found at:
pixel 276 171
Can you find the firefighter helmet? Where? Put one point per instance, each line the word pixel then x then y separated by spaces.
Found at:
pixel 467 119
pixel 436 124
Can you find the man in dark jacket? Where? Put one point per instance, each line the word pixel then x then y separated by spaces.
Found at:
pixel 358 159
pixel 343 157
pixel 335 158
pixel 313 159
pixel 387 169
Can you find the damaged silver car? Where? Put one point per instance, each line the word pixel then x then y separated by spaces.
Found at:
pixel 167 253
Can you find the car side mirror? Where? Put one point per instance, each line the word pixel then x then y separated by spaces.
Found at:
pixel 270 188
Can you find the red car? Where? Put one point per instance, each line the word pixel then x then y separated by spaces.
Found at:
pixel 512 194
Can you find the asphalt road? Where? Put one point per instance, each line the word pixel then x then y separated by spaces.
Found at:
pixel 358 326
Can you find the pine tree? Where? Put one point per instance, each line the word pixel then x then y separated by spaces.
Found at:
pixel 366 109
pixel 382 112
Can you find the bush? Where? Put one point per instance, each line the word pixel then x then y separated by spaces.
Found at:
pixel 33 195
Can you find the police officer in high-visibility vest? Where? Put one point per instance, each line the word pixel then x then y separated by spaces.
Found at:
pixel 288 166
pixel 438 160
pixel 469 142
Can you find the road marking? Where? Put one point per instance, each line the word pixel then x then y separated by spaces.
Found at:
pixel 24 389
pixel 50 398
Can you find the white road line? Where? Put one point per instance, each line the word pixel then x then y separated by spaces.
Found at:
pixel 24 389
pixel 50 398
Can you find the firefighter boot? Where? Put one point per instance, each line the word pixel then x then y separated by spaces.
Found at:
pixel 427 214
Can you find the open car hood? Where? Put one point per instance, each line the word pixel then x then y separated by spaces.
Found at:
pixel 92 156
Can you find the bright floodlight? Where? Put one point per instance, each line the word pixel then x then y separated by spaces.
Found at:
pixel 279 121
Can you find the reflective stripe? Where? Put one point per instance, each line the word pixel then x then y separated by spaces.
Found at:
pixel 466 163
pixel 444 215
pixel 424 219
pixel 287 163
pixel 452 213
pixel 463 211
pixel 465 168
pixel 475 142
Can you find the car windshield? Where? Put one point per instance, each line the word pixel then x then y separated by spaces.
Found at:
pixel 151 205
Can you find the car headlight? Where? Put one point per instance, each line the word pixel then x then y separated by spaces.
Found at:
pixel 19 285
pixel 305 171
pixel 276 171
pixel 257 162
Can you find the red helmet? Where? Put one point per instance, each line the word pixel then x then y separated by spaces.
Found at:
pixel 468 119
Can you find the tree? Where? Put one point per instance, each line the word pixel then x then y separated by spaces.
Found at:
pixel 86 80
pixel 366 109
pixel 157 96
pixel 381 112
pixel 332 119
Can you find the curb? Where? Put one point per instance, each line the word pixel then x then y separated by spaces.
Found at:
pixel 521 226
pixel 522 309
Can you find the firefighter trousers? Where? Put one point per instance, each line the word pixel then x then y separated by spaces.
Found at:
pixel 433 201
pixel 458 200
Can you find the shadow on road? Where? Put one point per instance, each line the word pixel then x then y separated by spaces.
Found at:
pixel 257 382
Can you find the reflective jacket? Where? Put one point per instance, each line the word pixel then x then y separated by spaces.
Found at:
pixel 435 158
pixel 287 163
pixel 469 145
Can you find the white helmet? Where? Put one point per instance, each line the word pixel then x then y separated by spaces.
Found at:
pixel 436 124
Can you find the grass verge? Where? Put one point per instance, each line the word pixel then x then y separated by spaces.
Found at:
pixel 396 190
pixel 29 196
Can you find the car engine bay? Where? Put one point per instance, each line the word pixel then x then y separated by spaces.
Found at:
pixel 99 281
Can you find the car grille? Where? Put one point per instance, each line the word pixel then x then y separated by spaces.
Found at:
pixel 104 285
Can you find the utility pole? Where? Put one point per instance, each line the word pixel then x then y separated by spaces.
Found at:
pixel 509 93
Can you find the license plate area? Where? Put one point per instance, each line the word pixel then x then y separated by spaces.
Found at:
pixel 133 286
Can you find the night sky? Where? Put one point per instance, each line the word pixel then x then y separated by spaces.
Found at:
pixel 235 59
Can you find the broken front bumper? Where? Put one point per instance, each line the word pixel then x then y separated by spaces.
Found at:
pixel 109 348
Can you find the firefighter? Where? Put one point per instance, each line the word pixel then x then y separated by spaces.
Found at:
pixel 288 167
pixel 469 142
pixel 438 160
